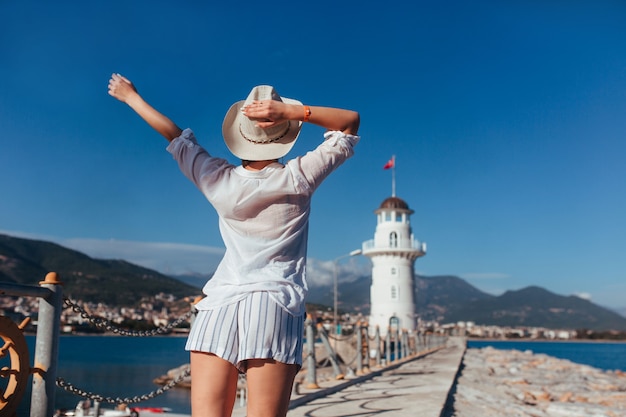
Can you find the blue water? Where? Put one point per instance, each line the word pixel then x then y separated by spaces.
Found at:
pixel 115 366
pixel 606 356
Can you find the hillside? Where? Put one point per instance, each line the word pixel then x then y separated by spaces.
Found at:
pixel 114 282
pixel 439 298
pixel 448 299
pixel 435 296
pixel 535 306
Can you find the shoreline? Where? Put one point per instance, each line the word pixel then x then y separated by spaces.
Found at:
pixel 475 339
pixel 108 334
pixel 469 339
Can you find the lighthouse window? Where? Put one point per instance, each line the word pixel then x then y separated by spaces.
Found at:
pixel 393 240
pixel 394 292
pixel 394 271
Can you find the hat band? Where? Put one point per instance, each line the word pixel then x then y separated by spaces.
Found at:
pixel 266 140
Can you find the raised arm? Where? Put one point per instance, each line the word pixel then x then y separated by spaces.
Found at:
pixel 334 119
pixel 123 90
pixel 271 112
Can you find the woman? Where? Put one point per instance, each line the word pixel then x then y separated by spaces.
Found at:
pixel 252 317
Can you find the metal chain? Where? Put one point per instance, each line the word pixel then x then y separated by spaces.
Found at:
pixel 340 338
pixel 105 324
pixel 101 323
pixel 129 400
pixel 351 360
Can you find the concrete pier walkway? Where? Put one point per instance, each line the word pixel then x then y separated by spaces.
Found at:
pixel 418 386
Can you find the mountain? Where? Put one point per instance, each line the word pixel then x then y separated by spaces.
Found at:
pixel 437 296
pixel 446 299
pixel 536 307
pixel 449 299
pixel 434 296
pixel 195 280
pixel 353 296
pixel 114 282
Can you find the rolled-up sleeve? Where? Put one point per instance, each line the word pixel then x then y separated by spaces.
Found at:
pixel 317 164
pixel 195 162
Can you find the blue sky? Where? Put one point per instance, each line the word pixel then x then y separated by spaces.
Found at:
pixel 507 120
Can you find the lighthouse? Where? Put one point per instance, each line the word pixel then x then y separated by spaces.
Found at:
pixel 393 252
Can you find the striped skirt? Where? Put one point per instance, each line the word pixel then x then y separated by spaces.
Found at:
pixel 253 328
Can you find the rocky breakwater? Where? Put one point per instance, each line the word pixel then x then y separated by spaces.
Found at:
pixel 495 383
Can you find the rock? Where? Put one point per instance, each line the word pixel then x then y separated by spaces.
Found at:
pixel 495 383
pixel 565 397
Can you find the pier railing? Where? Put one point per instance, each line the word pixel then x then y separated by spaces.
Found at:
pixel 356 353
pixel 342 356
pixel 50 294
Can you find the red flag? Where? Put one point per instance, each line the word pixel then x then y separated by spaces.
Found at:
pixel 391 163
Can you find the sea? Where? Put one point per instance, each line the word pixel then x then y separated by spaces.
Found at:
pixel 608 356
pixel 118 366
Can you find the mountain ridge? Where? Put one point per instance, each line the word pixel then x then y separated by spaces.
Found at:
pixel 443 298
pixel 27 261
pixel 450 299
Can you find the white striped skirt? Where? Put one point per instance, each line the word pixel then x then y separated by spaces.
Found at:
pixel 253 328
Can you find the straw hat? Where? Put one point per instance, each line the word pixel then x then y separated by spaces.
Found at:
pixel 251 143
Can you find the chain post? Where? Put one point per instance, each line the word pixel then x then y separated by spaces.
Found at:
pixel 47 347
pixel 311 365
pixel 359 350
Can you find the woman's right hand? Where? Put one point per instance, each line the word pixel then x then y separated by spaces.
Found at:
pixel 121 88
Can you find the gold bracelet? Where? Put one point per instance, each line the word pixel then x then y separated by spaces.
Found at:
pixel 307 113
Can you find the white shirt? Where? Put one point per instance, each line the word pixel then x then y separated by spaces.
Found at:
pixel 263 218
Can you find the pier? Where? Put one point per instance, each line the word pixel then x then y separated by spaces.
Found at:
pixel 416 386
pixel 419 385
pixel 343 375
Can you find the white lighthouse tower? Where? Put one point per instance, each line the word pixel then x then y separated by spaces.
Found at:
pixel 393 252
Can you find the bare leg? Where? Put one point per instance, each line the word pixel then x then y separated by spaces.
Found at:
pixel 269 387
pixel 213 387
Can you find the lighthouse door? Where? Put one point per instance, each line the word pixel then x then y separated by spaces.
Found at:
pixel 394 324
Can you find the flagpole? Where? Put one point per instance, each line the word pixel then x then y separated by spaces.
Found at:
pixel 393 176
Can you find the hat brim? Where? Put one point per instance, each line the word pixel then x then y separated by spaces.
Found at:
pixel 252 151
